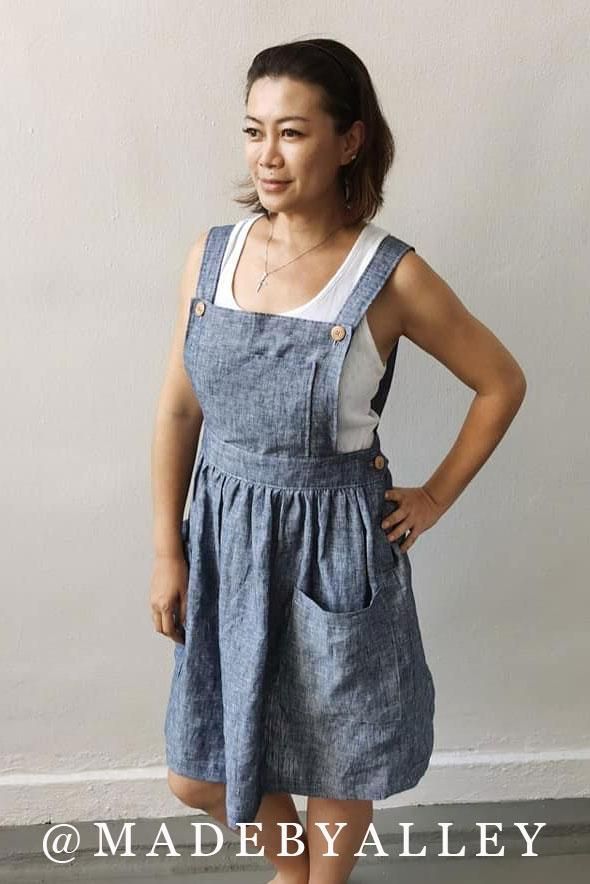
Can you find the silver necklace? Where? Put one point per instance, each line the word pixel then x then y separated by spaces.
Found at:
pixel 268 272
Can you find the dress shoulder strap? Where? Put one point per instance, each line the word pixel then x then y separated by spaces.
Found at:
pixel 215 245
pixel 386 258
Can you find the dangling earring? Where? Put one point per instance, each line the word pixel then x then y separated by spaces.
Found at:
pixel 346 194
pixel 347 188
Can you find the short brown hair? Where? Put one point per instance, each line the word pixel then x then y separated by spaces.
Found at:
pixel 347 95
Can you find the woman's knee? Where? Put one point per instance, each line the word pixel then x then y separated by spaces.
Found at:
pixel 200 794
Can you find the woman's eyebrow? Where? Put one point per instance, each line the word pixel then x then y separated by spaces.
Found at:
pixel 280 120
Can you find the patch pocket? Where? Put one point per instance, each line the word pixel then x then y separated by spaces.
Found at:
pixel 342 665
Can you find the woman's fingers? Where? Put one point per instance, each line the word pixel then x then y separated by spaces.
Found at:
pixel 416 511
pixel 410 517
pixel 157 620
pixel 409 541
pixel 399 530
pixel 166 623
pixel 168 596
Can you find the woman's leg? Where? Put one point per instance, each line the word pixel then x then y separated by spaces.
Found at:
pixel 358 815
pixel 279 807
pixel 274 807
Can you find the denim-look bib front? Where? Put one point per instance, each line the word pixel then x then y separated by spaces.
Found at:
pixel 303 668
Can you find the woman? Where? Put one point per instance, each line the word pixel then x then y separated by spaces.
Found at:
pixel 299 664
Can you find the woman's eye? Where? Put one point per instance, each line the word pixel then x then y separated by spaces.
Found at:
pixel 251 129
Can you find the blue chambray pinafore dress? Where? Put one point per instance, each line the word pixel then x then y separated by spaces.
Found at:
pixel 303 668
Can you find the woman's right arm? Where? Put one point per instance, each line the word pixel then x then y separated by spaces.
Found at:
pixel 177 427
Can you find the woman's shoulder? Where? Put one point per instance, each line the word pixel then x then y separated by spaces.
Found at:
pixel 377 232
pixel 194 258
pixel 197 248
pixel 195 253
pixel 225 229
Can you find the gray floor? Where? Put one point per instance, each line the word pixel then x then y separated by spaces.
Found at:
pixel 546 870
pixel 507 870
pixel 563 846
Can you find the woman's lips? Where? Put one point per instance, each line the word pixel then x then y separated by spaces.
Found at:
pixel 274 185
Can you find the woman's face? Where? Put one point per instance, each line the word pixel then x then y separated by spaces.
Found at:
pixel 281 145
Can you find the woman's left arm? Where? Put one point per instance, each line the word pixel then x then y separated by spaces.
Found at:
pixel 431 315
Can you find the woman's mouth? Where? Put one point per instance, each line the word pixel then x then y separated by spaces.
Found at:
pixel 274 185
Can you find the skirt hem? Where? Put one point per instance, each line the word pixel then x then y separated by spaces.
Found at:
pixel 197 770
pixel 215 773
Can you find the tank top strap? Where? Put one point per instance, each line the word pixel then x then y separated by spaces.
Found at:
pixel 386 258
pixel 215 245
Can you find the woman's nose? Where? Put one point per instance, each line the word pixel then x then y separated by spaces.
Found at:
pixel 269 154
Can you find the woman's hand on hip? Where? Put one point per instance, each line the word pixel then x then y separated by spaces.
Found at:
pixel 416 511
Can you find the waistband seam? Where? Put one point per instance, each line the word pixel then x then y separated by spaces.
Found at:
pixel 249 481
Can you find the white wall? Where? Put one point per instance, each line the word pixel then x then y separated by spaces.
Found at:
pixel 119 141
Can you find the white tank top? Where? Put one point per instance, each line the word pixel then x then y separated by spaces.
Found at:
pixel 362 369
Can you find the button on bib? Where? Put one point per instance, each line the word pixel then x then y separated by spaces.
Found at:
pixel 338 333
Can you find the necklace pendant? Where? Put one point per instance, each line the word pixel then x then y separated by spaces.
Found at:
pixel 259 286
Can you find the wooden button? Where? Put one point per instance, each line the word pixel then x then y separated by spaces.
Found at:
pixel 379 462
pixel 338 332
pixel 199 308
